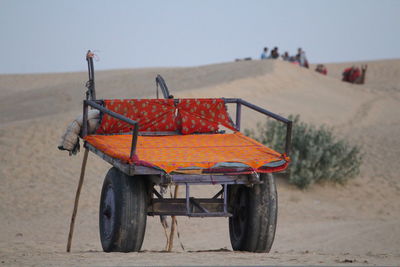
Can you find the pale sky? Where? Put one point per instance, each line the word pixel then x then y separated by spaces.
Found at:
pixel 53 36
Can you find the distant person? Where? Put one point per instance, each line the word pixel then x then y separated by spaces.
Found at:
pixel 321 69
pixel 285 56
pixel 275 53
pixel 301 56
pixel 264 54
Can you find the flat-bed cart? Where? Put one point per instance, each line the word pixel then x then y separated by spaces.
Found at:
pixel 154 143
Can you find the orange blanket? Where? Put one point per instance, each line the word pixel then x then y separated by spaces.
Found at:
pixel 178 151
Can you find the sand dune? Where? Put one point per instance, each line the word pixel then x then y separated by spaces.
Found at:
pixel 326 224
pixel 43 94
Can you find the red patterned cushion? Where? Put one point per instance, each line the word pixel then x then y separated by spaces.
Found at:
pixel 203 115
pixel 151 114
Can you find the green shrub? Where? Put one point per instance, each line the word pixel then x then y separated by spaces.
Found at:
pixel 317 155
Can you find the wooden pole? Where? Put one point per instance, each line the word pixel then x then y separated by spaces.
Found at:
pixel 78 192
pixel 173 224
pixel 165 226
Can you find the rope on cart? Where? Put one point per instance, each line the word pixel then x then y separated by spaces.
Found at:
pixel 174 226
pixel 163 218
pixel 179 236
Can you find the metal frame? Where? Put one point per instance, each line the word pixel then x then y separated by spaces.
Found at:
pixel 239 102
pixel 91 92
pixel 164 88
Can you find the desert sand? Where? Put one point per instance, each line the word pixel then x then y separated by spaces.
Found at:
pixel 354 224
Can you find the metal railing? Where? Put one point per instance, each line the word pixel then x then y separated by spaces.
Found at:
pixel 160 82
pixel 239 102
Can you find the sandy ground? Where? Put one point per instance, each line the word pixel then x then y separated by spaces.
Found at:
pixel 355 224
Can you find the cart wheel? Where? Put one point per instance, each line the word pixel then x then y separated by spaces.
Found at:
pixel 123 212
pixel 254 214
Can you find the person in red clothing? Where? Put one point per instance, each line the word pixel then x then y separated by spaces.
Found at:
pixel 321 69
pixel 351 74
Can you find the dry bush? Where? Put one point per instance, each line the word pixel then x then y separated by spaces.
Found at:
pixel 317 155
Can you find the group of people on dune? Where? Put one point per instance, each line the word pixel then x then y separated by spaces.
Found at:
pixel 351 75
pixel 298 59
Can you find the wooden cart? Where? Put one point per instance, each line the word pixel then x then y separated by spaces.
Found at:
pixel 154 143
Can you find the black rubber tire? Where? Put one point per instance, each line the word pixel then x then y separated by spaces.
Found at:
pixel 123 212
pixel 255 211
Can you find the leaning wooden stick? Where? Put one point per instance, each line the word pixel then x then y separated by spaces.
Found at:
pixel 173 224
pixel 163 220
pixel 78 192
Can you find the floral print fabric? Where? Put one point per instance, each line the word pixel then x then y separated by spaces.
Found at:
pixel 203 115
pixel 151 114
pixel 193 116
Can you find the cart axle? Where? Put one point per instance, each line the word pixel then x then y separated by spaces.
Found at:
pixel 198 207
